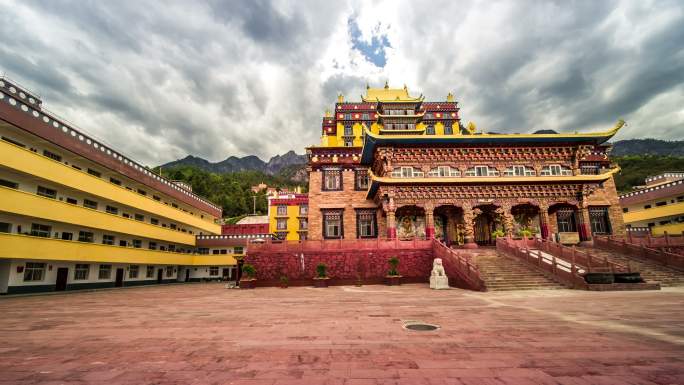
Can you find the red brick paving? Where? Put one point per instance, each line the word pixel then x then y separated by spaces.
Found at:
pixel 205 334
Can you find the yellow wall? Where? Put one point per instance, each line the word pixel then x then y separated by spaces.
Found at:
pixel 16 246
pixel 654 213
pixel 27 204
pixel 25 161
pixel 672 228
pixel 292 221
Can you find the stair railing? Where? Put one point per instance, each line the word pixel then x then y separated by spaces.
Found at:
pixel 640 250
pixel 459 267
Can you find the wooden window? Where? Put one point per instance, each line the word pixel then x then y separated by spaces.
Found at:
pixel 332 224
pixel 430 129
pixel 407 172
pixel 81 271
pixel 366 224
pixel 71 201
pixel 566 220
pixel 94 173
pixel 152 246
pixel 112 210
pixel 133 271
pixel 444 171
pixel 5 227
pixel 281 211
pixel 105 272
pixel 90 204
pixel 137 243
pixel 332 179
pixel 213 271
pixel 47 192
pixel 115 181
pixel 9 184
pixel 482 171
pixel 303 224
pixel 150 272
pixel 238 250
pixel 108 239
pixel 85 236
pixel 599 220
pixel 360 180
pixel 169 271
pixel 304 210
pixel 40 230
pixel 281 224
pixel 52 155
pixel 519 171
pixel 556 170
pixel 139 217
pixel 34 271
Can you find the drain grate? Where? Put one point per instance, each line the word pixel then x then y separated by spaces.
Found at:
pixel 420 327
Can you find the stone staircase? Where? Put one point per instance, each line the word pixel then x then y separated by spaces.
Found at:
pixel 504 273
pixel 650 271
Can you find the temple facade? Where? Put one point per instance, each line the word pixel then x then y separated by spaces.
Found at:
pixel 393 165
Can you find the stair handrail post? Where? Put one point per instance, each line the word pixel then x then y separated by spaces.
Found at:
pixel 629 235
pixel 667 238
pixel 648 238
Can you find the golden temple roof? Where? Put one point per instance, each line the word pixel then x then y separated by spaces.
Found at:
pixel 387 94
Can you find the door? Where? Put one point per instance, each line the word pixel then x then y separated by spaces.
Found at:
pixel 160 275
pixel 483 230
pixel 119 277
pixel 187 275
pixel 62 277
pixel 226 273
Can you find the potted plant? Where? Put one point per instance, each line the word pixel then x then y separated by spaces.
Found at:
pixel 393 277
pixel 248 280
pixel 498 233
pixel 321 278
pixel 284 281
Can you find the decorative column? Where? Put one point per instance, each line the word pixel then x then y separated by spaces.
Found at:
pixel 584 228
pixel 429 220
pixel 507 218
pixel 469 223
pixel 544 220
pixel 391 220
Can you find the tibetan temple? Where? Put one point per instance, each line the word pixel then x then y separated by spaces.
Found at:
pixel 397 166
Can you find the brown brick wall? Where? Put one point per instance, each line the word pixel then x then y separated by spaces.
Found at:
pixel 608 195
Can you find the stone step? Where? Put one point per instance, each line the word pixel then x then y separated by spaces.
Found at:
pixel 501 273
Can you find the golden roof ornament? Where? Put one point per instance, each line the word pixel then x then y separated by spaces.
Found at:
pixel 471 128
pixel 450 97
pixel 386 85
pixel 340 98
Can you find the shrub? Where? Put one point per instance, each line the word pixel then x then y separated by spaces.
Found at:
pixel 321 270
pixel 498 233
pixel 394 263
pixel 284 280
pixel 249 270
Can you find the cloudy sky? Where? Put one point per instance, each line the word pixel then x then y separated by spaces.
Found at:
pixel 160 80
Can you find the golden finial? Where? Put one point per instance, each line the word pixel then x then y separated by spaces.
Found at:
pixel 340 98
pixel 386 85
pixel 450 97
pixel 471 128
pixel 328 114
pixel 367 86
pixel 405 88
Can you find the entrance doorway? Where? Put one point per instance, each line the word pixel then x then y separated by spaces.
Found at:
pixel 160 275
pixel 119 278
pixel 187 275
pixel 449 225
pixel 225 273
pixel 62 278
pixel 485 224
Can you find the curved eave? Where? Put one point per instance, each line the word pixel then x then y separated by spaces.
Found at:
pixel 403 100
pixel 377 181
pixel 372 140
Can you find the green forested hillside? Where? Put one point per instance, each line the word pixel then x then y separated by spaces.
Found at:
pixel 230 190
pixel 635 168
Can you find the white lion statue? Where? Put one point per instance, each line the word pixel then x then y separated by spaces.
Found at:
pixel 438 277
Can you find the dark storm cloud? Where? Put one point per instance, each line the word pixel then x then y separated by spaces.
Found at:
pixel 160 80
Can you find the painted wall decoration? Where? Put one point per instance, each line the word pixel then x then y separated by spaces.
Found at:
pixel 411 226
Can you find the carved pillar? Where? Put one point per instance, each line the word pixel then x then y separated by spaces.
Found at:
pixel 429 221
pixel 469 224
pixel 391 220
pixel 507 218
pixel 584 227
pixel 544 219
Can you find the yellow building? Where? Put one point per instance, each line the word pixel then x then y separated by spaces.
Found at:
pixel 75 213
pixel 288 216
pixel 657 207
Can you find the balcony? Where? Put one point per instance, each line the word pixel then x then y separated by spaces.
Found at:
pixel 31 163
pixel 17 246
pixel 654 213
pixel 31 205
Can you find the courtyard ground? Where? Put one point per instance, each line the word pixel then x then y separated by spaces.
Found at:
pixel 205 334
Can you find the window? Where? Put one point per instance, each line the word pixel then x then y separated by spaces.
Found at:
pixel 304 210
pixel 126 215
pixel 444 171
pixel 38 230
pixel 156 198
pixel 66 236
pixel 303 224
pixel 348 142
pixel 108 239
pixel 566 220
pixel 9 184
pixel 281 235
pixel 152 246
pixel 519 171
pixel 85 236
pixel 90 204
pixel 76 167
pixel 282 211
pixel 590 169
pixel 81 272
pixel 71 201
pixel 224 251
pixel 174 205
pixel 556 170
pixel 216 251
pixel 105 272
pixel 139 217
pixel 407 172
pixel 448 129
pixel 94 172
pixel 366 226
pixel 52 155
pixel 430 130
pixel 112 210
pixel 598 218
pixel 14 142
pixel 482 171
pixel 303 236
pixel 5 227
pixel 203 250
pixel 625 209
pixel 142 192
pixel 238 250
pixel 660 204
pixel 137 243
pixel 332 179
pixel 47 192
pixel 647 207
pixel 347 116
pixel 172 247
pixel 348 130
pixel 172 226
pixel 169 271
pixel 281 224
pixel 360 180
pixel 154 221
pixel 213 271
pixel 34 271
pixel 332 224
pixel 123 243
pixel 133 271
pixel 115 181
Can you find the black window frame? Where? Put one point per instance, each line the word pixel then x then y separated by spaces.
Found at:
pixel 357 176
pixel 374 223
pixel 9 184
pixel 90 204
pixel 330 212
pixel 324 174
pixel 46 192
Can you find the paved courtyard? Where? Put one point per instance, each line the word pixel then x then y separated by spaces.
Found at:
pixel 205 334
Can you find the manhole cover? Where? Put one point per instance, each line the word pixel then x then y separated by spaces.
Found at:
pixel 421 327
